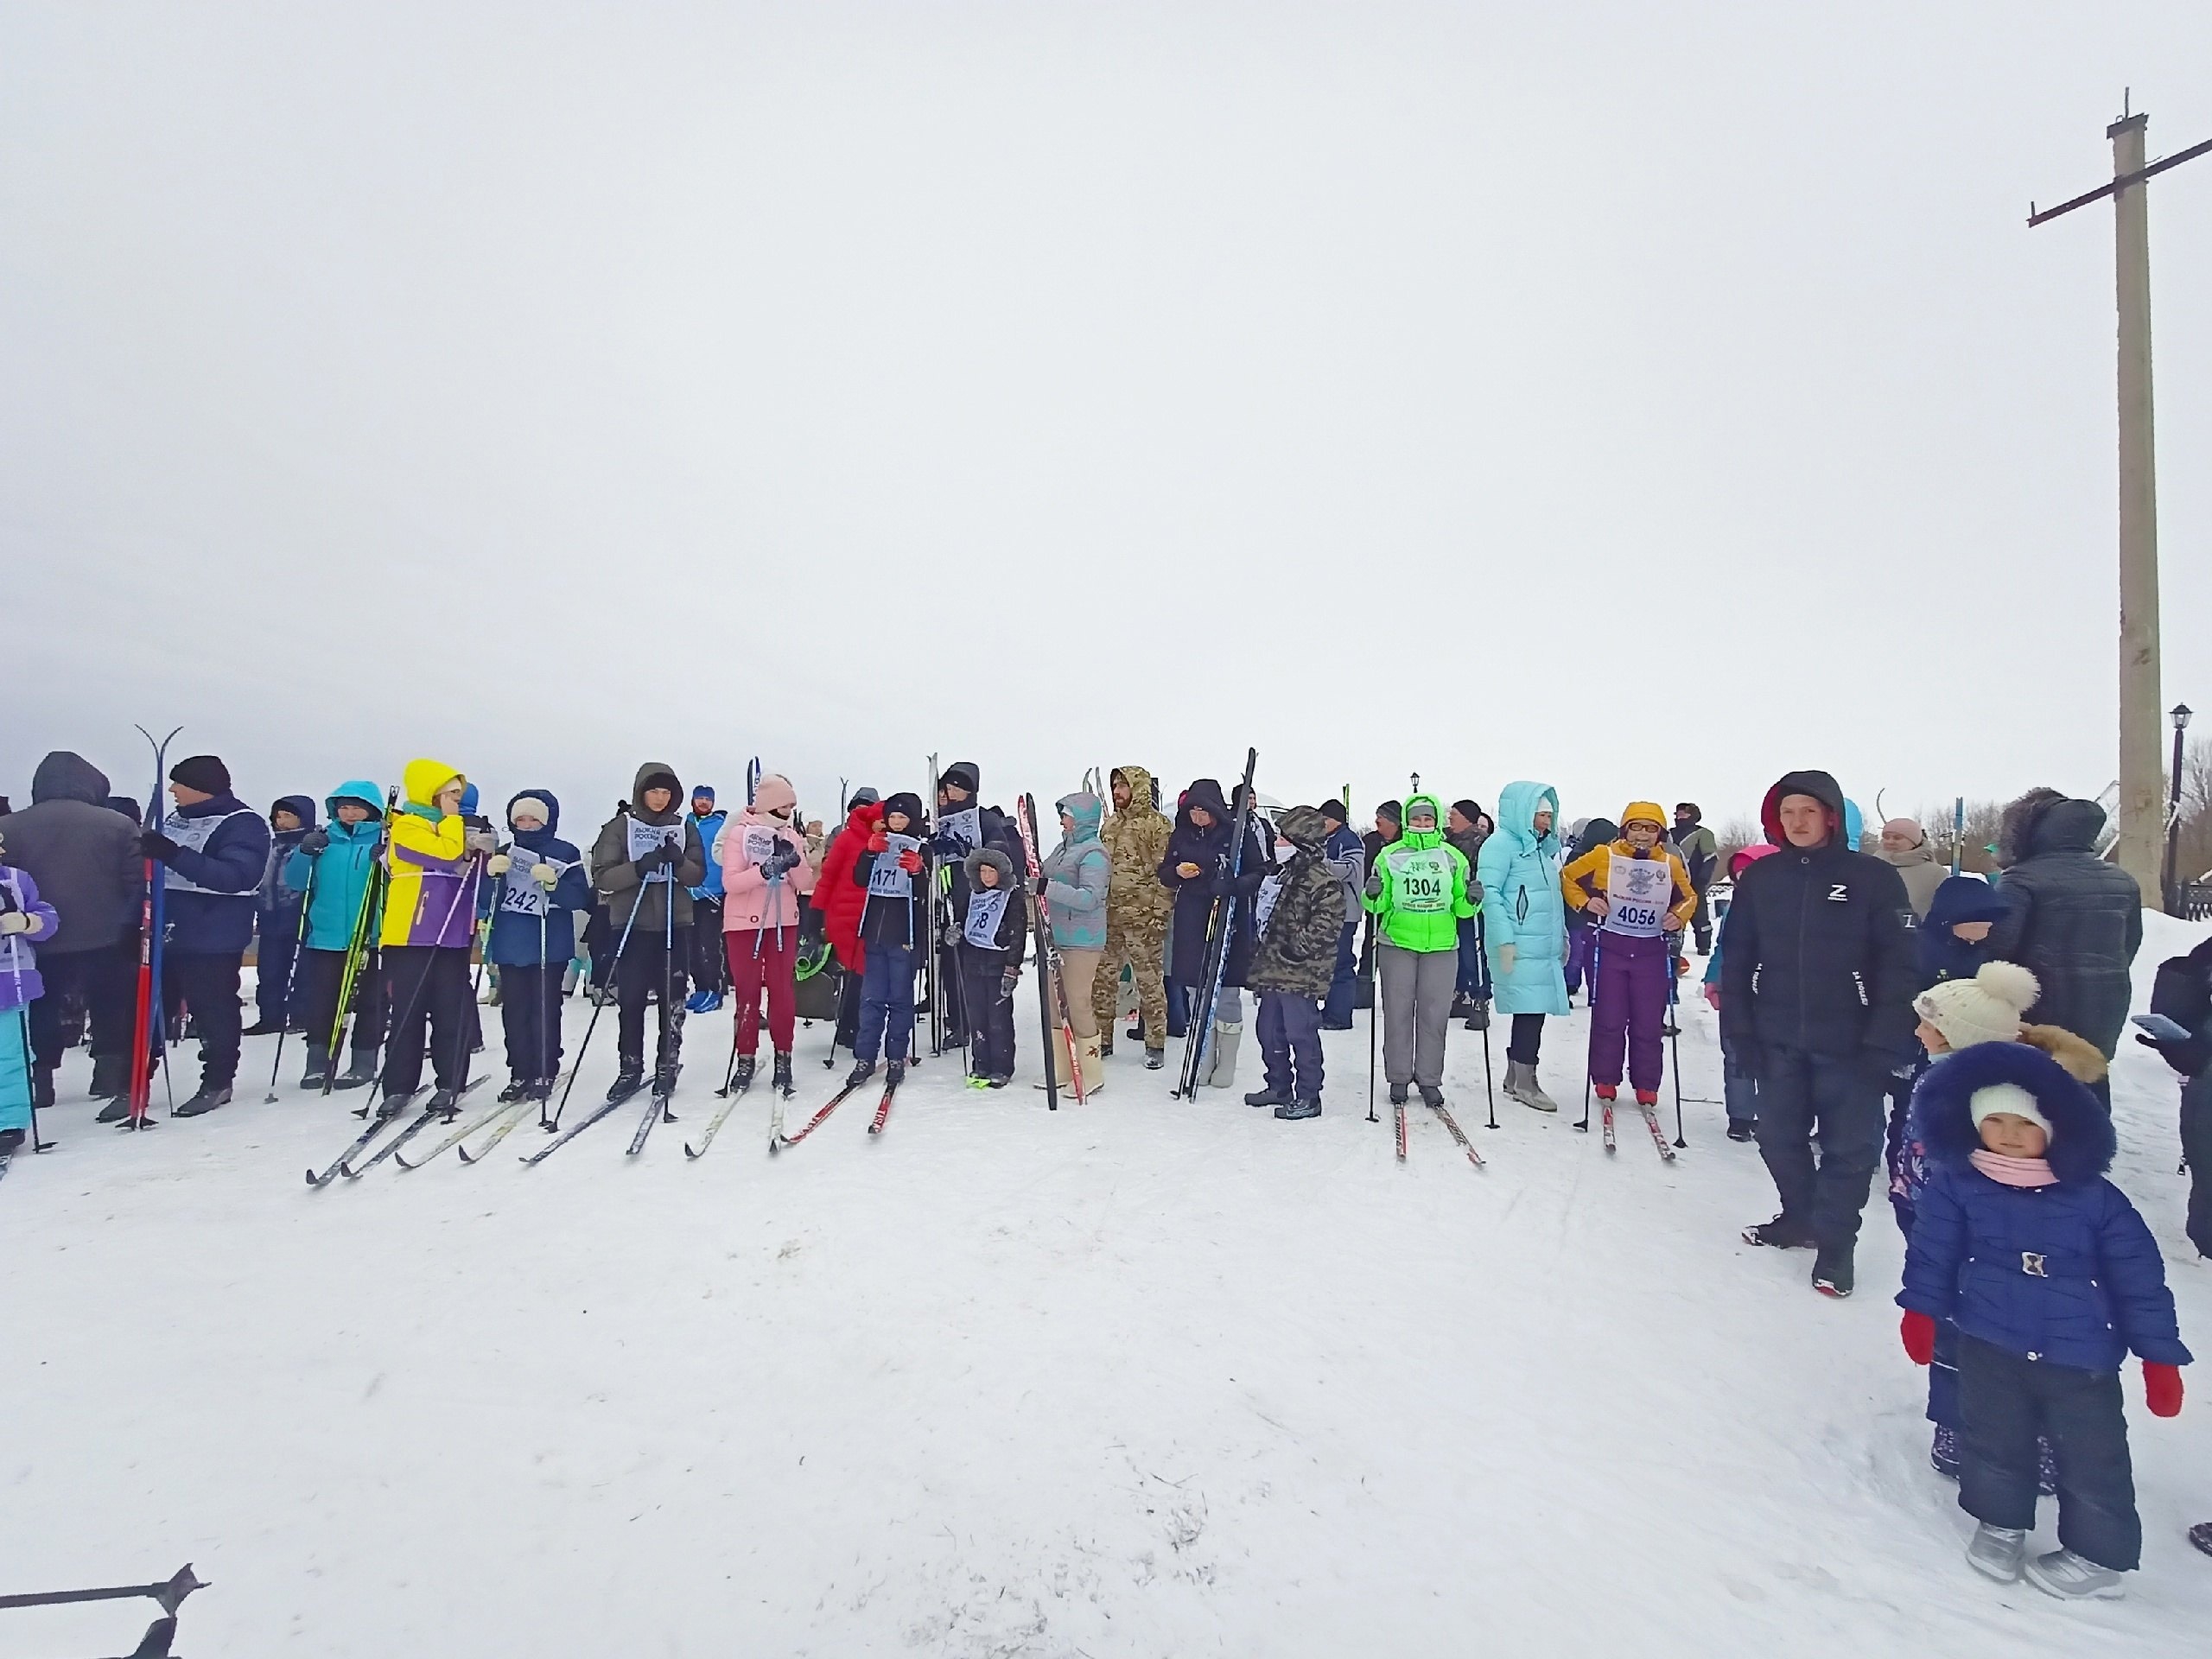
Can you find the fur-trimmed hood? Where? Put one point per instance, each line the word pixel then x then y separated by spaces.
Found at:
pixel 2045 821
pixel 997 859
pixel 2078 1055
pixel 2081 1141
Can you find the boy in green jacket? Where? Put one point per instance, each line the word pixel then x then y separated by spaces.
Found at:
pixel 1419 891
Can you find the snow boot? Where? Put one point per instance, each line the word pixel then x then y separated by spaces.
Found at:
pixel 1833 1272
pixel 1221 1072
pixel 2072 1577
pixel 1997 1551
pixel 1521 1084
pixel 998 1080
pixel 1266 1096
pixel 861 1072
pixel 627 1081
pixel 782 1081
pixel 1431 1095
pixel 740 1076
pixel 1478 1016
pixel 1106 1043
pixel 110 1075
pixel 1154 1058
pixel 1399 1094
pixel 359 1072
pixel 115 1112
pixel 11 1142
pixel 211 1096
pixel 1298 1110
pixel 318 1071
pixel 1943 1452
pixel 2201 1535
pixel 1784 1232
pixel 1134 1033
pixel 518 1088
pixel 1094 1067
pixel 1743 1128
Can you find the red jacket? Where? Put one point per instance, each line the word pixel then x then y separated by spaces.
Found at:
pixel 840 900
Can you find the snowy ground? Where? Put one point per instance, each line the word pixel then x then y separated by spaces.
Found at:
pixel 1145 1378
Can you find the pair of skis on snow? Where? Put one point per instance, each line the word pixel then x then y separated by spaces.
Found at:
pixel 777 1140
pixel 1450 1123
pixel 379 1121
pixel 1650 1122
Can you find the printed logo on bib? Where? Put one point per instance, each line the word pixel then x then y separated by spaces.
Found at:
pixel 1639 890
pixel 520 893
pixel 964 827
pixel 1422 879
pixel 645 837
pixel 986 905
pixel 760 844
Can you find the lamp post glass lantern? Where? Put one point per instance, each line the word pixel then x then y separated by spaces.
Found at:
pixel 2179 715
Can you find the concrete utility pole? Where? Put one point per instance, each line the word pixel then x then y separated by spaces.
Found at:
pixel 2142 817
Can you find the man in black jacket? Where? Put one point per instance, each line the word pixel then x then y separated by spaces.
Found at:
pixel 1816 995
pixel 2070 918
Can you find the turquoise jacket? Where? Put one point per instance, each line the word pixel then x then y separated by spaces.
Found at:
pixel 1521 906
pixel 1077 876
pixel 340 872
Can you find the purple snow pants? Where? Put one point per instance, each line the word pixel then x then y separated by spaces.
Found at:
pixel 1629 1010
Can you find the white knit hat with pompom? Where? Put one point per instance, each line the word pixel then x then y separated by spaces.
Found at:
pixel 1986 1009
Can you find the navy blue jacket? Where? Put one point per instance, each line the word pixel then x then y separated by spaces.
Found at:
pixel 2067 1274
pixel 516 941
pixel 1943 954
pixel 232 863
pixel 278 895
pixel 1209 848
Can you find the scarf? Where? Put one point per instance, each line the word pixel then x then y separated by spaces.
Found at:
pixel 2012 1172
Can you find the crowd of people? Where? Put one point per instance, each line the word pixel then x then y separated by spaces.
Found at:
pixel 1877 1011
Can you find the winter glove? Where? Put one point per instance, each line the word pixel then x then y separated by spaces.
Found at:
pixel 545 875
pixel 314 842
pixel 654 862
pixel 1917 1331
pixel 497 864
pixel 778 863
pixel 911 861
pixel 1007 981
pixel 480 841
pixel 1507 954
pixel 879 842
pixel 16 921
pixel 1374 887
pixel 1038 883
pixel 2161 1389
pixel 153 844
pixel 951 934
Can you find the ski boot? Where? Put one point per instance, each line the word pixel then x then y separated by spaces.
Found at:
pixel 1743 1128
pixel 2074 1577
pixel 110 1077
pixel 392 1106
pixel 628 1079
pixel 1399 1093
pixel 11 1142
pixel 1647 1097
pixel 1833 1272
pixel 998 1080
pixel 1154 1058
pixel 860 1074
pixel 741 1076
pixel 894 1074
pixel 1997 1551
pixel 1431 1095
pixel 359 1072
pixel 2201 1535
pixel 1298 1110
pixel 515 1091
pixel 1266 1096
pixel 115 1112
pixel 446 1102
pixel 211 1096
pixel 782 1081
pixel 1784 1232
pixel 539 1090
pixel 1607 1093
pixel 665 1075
pixel 318 1071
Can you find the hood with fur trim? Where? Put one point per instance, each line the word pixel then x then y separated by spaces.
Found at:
pixel 2046 821
pixel 2081 1141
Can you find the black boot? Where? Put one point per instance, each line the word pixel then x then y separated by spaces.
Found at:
pixel 1431 1095
pixel 742 1077
pixel 110 1075
pixel 318 1071
pixel 360 1071
pixel 1479 1016
pixel 392 1105
pixel 894 1074
pixel 1265 1096
pixel 262 1028
pixel 782 1078
pixel 446 1102
pixel 211 1096
pixel 860 1074
pixel 1399 1093
pixel 1784 1232
pixel 1834 1273
pixel 517 1089
pixel 627 1081
pixel 665 1075
pixel 11 1142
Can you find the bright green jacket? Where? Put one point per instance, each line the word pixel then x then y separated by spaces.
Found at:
pixel 1421 921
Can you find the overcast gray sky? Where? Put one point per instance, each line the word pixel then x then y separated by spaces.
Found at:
pixel 1643 398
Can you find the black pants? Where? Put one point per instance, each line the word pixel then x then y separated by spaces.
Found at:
pixel 708 971
pixel 1701 925
pixel 1528 1039
pixel 599 945
pixel 530 1013
pixel 953 975
pixel 651 968
pixel 990 1033
pixel 322 976
pixel 847 1030
pixel 426 985
pixel 208 985
pixel 107 978
pixel 2195 1151
pixel 276 966
pixel 1803 1096
pixel 2006 1400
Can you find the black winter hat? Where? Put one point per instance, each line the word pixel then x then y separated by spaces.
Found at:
pixel 1393 811
pixel 1333 811
pixel 963 774
pixel 1468 810
pixel 203 773
pixel 911 804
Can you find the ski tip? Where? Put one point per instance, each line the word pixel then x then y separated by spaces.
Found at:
pixel 689 1156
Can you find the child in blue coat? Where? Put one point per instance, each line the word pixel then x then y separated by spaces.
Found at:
pixel 538 885
pixel 2051 1279
pixel 26 921
pixel 334 866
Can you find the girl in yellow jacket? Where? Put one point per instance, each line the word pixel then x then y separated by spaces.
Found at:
pixel 433 863
pixel 1641 895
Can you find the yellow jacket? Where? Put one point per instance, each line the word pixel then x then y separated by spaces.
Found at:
pixel 1591 874
pixel 429 893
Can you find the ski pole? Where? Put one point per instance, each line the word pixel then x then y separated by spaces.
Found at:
pixel 672 1015
pixel 1482 956
pixel 170 1593
pixel 1374 1015
pixel 1675 1024
pixel 1595 941
pixel 299 949
pixel 23 1020
pixel 598 1007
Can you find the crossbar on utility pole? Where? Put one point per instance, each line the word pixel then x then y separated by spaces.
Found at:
pixel 2142 820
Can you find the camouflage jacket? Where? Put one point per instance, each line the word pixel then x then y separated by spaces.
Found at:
pixel 1135 841
pixel 1297 955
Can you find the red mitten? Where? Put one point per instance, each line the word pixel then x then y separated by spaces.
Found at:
pixel 911 861
pixel 1918 1332
pixel 2161 1389
pixel 879 842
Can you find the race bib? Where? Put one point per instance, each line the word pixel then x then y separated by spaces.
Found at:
pixel 645 837
pixel 986 909
pixel 1422 879
pixel 965 827
pixel 518 895
pixel 1639 890
pixel 885 879
pixel 760 844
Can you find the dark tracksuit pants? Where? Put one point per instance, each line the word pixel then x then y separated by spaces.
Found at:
pixel 2005 1400
pixel 530 1016
pixel 208 985
pixel 2195 1148
pixel 1344 987
pixel 886 1004
pixel 107 979
pixel 276 965
pixel 651 969
pixel 426 987
pixel 1802 1096
pixel 1290 1044
pixel 990 1026
pixel 322 974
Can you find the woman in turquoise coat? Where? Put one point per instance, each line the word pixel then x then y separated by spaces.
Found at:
pixel 1524 928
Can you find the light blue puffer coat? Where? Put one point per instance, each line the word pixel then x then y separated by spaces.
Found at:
pixel 1521 906
pixel 1077 872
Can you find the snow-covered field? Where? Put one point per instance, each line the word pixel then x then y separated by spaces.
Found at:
pixel 1143 1378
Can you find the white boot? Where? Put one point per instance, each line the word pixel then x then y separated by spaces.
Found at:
pixel 1997 1552
pixel 1221 1056
pixel 2074 1578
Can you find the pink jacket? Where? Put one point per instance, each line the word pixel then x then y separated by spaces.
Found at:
pixel 748 902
